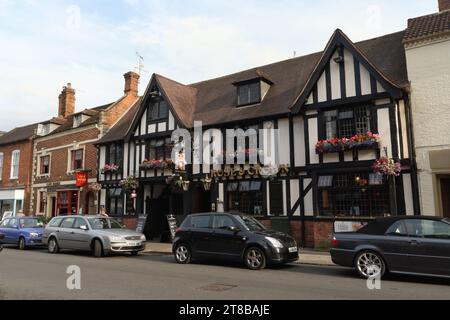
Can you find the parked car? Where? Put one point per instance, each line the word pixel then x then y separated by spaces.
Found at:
pixel 22 231
pixel 99 234
pixel 232 236
pixel 413 245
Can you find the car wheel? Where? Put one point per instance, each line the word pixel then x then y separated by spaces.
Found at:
pixel 182 254
pixel 254 258
pixel 22 243
pixel 98 249
pixel 370 264
pixel 53 246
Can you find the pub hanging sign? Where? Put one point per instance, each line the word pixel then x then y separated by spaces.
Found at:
pixel 81 179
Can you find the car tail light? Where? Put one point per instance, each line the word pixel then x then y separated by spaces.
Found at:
pixel 334 242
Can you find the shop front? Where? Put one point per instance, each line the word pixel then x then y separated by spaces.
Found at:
pixel 11 201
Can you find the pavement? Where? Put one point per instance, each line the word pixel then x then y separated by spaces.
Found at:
pixel 306 256
pixel 35 274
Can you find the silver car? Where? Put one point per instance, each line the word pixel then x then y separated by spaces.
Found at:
pixel 98 234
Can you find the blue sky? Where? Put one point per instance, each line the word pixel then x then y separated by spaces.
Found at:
pixel 45 44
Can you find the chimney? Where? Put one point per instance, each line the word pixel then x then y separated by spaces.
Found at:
pixel 444 5
pixel 131 83
pixel 66 101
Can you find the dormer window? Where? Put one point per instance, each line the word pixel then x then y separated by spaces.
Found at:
pixel 77 120
pixel 249 93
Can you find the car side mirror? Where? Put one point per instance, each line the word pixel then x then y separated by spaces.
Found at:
pixel 233 229
pixel 85 228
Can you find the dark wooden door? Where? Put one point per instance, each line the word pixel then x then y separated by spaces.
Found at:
pixel 445 196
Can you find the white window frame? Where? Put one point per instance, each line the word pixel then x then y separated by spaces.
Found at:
pixel 69 158
pixel 49 165
pixel 15 162
pixel 1 165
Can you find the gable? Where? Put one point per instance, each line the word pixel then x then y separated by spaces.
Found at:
pixel 343 72
pixel 346 79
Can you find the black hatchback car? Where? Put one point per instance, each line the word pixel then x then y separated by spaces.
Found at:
pixel 414 245
pixel 232 236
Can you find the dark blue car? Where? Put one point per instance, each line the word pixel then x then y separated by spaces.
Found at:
pixel 22 231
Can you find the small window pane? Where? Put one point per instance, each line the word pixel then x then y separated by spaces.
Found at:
pixel 200 222
pixel 163 109
pixel 232 186
pixel 223 222
pixel 375 179
pixel 325 181
pixel 397 229
pixel 255 185
pixel 244 186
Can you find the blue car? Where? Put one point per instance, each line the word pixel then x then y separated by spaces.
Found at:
pixel 22 231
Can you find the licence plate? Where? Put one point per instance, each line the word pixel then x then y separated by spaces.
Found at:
pixel 293 249
pixel 134 244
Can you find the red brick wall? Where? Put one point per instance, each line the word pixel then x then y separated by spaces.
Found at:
pixel 317 233
pixel 24 179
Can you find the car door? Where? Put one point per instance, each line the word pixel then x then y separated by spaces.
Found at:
pixel 13 231
pixel 225 242
pixel 80 238
pixel 201 232
pixel 429 246
pixel 4 230
pixel 394 245
pixel 65 236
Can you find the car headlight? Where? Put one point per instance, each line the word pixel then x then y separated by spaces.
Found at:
pixel 34 234
pixel 116 239
pixel 275 242
pixel 143 238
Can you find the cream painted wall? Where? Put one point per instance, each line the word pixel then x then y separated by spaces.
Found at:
pixel 429 73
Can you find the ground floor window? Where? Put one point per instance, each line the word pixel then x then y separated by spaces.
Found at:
pixel 114 202
pixel 245 197
pixel 67 202
pixel 353 195
pixel 6 206
pixel 42 202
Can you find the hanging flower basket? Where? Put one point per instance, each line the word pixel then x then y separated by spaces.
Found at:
pixel 129 184
pixel 387 166
pixel 95 186
pixel 110 168
pixel 157 164
pixel 368 140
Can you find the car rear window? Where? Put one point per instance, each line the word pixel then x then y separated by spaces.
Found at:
pixel 200 222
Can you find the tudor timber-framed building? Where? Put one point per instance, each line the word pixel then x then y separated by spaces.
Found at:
pixel 347 89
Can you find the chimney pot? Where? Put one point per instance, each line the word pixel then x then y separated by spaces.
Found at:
pixel 444 5
pixel 131 83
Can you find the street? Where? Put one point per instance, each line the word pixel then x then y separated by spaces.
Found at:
pixel 36 274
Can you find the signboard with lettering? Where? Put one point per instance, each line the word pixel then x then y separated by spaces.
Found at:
pixel 348 226
pixel 172 221
pixel 142 221
pixel 82 179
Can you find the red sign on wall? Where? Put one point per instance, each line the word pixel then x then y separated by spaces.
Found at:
pixel 82 179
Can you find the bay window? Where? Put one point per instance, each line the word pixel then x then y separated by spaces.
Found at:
pixel 158 110
pixel 365 194
pixel 114 154
pixel 159 149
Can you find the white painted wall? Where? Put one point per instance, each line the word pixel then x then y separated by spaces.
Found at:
pixel 349 74
pixel 299 141
pixel 283 142
pixel 295 194
pixel 408 192
pixel 384 129
pixel 335 76
pixel 313 138
pixel 429 72
pixel 102 160
pixel 309 206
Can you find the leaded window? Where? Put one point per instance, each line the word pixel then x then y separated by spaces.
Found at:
pixel 364 194
pixel 347 122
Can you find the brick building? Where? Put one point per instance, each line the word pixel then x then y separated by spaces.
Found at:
pixel 64 146
pixel 16 147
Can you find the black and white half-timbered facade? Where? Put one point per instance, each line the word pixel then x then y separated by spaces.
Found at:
pixel 335 113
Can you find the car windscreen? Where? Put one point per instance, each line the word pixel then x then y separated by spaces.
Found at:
pixel 250 223
pixel 30 223
pixel 104 223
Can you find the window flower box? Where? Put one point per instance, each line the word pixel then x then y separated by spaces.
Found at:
pixel 157 164
pixel 368 140
pixel 111 168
